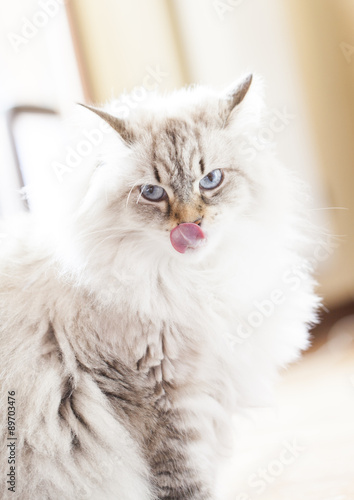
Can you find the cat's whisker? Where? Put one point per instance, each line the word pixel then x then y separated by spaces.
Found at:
pixel 130 192
pixel 139 181
pixel 144 184
pixel 140 194
pixel 329 208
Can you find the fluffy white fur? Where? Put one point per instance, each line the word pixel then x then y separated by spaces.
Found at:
pixel 203 305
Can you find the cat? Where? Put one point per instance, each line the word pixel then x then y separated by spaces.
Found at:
pixel 162 301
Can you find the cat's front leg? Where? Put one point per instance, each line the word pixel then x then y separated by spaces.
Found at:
pixel 176 471
pixel 175 481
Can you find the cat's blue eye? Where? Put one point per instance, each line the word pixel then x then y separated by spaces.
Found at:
pixel 153 193
pixel 212 180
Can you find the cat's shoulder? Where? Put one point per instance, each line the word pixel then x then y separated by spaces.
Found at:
pixel 27 273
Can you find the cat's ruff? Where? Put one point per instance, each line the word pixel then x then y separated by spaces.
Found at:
pixel 127 357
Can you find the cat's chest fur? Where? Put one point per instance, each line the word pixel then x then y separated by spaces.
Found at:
pixel 163 325
pixel 159 319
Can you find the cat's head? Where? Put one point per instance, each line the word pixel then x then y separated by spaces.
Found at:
pixel 178 179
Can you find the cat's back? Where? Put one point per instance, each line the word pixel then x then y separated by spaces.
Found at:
pixel 28 280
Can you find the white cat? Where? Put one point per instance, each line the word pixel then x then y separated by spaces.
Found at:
pixel 174 289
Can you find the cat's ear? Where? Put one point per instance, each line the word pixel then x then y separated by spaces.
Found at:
pixel 236 94
pixel 117 124
pixel 233 96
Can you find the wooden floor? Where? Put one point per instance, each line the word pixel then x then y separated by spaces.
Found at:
pixel 304 448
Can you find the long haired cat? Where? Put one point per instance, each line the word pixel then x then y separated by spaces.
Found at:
pixel 165 299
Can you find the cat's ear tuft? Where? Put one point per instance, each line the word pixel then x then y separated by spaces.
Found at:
pixel 117 124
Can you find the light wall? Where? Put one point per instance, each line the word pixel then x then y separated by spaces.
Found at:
pixel 118 42
pixel 38 68
pixel 324 32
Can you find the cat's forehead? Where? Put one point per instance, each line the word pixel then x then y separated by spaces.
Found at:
pixel 175 148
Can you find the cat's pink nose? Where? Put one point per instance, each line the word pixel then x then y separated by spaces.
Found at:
pixel 187 236
pixel 198 221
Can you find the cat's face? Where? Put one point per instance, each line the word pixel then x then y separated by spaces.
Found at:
pixel 186 182
pixel 187 174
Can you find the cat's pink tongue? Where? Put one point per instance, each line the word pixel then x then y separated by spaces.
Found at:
pixel 187 235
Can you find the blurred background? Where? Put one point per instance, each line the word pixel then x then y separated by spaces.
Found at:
pixel 54 53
